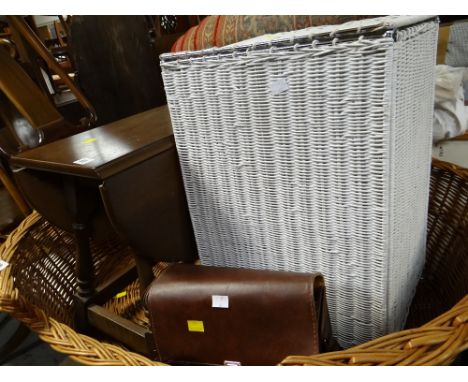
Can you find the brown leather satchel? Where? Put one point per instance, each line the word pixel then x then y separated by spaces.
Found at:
pixel 214 315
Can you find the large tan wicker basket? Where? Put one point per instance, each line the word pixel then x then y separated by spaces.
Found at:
pixel 437 326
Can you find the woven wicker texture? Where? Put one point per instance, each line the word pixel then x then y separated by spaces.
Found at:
pixel 435 343
pixel 438 342
pixel 410 156
pixel 61 337
pixel 429 340
pixel 457 48
pixel 445 275
pixel 45 262
pixel 313 157
pixel 129 304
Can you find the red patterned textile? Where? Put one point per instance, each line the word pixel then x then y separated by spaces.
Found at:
pixel 225 30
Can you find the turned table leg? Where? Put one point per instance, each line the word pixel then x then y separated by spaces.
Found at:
pixel 84 270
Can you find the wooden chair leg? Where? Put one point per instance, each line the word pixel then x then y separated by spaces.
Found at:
pixel 14 193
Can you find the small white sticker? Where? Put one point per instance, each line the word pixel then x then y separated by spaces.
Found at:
pixel 83 160
pixel 279 85
pixel 219 301
pixel 232 363
pixel 3 265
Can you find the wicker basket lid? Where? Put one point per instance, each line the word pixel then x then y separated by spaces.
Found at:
pixel 350 30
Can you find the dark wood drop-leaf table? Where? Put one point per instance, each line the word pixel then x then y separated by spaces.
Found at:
pixel 119 179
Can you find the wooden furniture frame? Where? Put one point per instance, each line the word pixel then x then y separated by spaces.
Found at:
pixel 123 177
pixel 25 31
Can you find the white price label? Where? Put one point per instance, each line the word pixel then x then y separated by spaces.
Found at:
pixel 83 160
pixel 220 301
pixel 279 86
pixel 3 265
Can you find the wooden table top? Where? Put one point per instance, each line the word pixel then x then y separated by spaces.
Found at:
pixel 105 150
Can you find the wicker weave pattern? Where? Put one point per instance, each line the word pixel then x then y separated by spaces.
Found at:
pixel 445 273
pixel 289 159
pixel 438 342
pixel 457 49
pixel 410 156
pixel 61 337
pixel 46 261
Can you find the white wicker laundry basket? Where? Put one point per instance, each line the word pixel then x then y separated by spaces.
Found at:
pixel 310 151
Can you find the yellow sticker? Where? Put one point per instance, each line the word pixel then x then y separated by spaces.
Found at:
pixel 89 140
pixel 121 294
pixel 195 326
